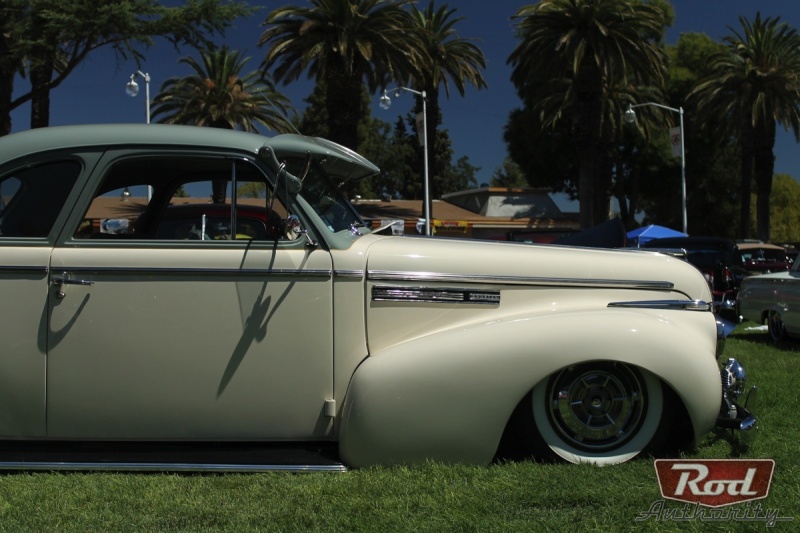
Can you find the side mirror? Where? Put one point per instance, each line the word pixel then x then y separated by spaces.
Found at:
pixel 293 230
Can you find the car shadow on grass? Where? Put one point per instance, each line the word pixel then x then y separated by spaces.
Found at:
pixel 759 336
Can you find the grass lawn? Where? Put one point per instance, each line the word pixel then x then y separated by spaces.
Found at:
pixel 514 497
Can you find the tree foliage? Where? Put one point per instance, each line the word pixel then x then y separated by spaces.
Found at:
pixel 448 59
pixel 509 175
pixel 50 38
pixel 784 210
pixel 577 50
pixel 754 84
pixel 218 95
pixel 345 43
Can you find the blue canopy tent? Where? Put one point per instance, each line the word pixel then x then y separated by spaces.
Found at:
pixel 639 236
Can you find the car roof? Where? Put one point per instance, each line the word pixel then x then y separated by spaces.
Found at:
pixel 336 159
pixel 61 137
pixel 759 246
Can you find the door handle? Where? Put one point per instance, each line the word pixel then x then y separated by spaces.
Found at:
pixel 64 279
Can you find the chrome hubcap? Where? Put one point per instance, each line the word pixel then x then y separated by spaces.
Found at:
pixel 596 407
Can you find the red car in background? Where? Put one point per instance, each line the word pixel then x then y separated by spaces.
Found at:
pixel 206 221
pixel 718 259
pixel 762 258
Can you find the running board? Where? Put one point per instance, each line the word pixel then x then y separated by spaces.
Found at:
pixel 165 467
pixel 170 456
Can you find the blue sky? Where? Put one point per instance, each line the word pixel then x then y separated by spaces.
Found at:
pixel 95 92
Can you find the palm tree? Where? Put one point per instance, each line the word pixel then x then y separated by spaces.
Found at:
pixel 344 43
pixel 448 59
pixel 755 84
pixel 593 44
pixel 216 95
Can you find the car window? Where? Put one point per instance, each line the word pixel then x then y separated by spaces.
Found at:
pixel 206 199
pixel 325 198
pixel 32 198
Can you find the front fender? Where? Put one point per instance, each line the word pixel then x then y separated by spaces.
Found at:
pixel 448 396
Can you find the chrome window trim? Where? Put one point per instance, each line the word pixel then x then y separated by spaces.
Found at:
pixel 385 275
pixel 688 305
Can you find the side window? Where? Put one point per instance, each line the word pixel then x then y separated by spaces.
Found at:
pixel 215 210
pixel 32 198
pixel 184 198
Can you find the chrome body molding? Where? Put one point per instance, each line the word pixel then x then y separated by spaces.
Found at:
pixel 206 271
pixel 689 305
pixel 43 270
pixel 350 274
pixel 383 275
pixel 435 295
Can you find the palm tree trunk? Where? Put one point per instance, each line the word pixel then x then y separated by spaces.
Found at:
pixel 588 92
pixel 7 74
pixel 746 170
pixel 602 187
pixel 6 93
pixel 343 98
pixel 40 76
pixel 763 170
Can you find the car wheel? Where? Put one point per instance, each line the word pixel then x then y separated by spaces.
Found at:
pixel 601 413
pixel 775 326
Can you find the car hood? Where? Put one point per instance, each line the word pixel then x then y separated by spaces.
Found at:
pixel 420 258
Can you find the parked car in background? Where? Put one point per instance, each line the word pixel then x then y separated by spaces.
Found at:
pixel 763 258
pixel 718 259
pixel 773 299
pixel 203 324
pixel 209 221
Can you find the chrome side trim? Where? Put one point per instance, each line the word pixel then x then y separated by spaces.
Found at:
pixel 688 305
pixel 25 269
pixel 204 271
pixel 351 274
pixel 435 295
pixel 386 275
pixel 166 467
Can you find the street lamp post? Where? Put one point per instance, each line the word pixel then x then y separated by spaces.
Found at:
pixel 132 89
pixel 385 102
pixel 630 118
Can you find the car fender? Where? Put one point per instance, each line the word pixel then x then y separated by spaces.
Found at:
pixel 449 395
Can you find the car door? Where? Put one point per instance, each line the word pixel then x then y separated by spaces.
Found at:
pixel 35 196
pixel 788 297
pixel 184 337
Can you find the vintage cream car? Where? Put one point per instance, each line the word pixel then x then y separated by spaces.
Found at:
pixel 396 349
pixel 773 299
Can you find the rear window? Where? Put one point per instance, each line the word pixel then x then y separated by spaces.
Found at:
pixel 32 198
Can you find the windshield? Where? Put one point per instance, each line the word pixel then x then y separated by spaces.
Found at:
pixel 325 198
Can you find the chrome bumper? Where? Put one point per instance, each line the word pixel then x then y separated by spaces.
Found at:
pixel 735 414
pixel 738 402
pixel 739 418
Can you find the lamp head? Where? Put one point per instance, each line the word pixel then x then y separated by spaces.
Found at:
pixel 385 102
pixel 630 115
pixel 132 88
